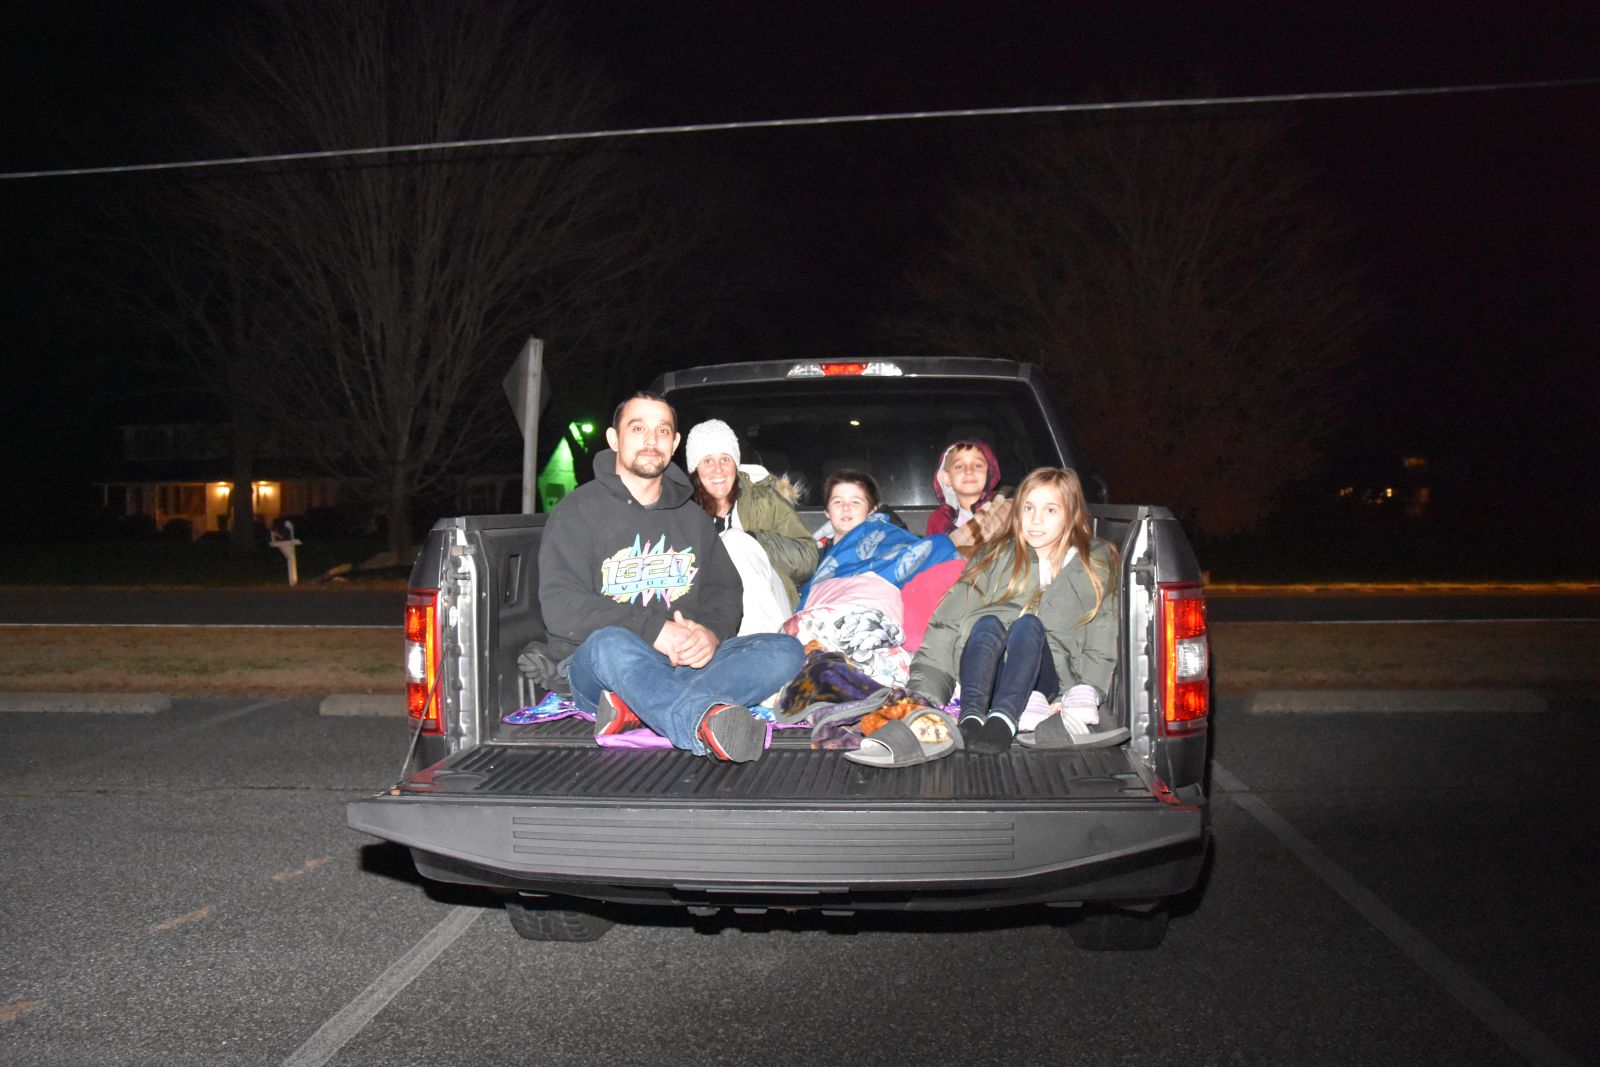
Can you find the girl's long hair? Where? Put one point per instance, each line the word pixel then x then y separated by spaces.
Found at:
pixel 1077 535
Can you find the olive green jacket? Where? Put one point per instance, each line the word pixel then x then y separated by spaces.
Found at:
pixel 766 514
pixel 1081 654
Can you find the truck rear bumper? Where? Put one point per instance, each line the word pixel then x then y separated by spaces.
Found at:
pixel 913 855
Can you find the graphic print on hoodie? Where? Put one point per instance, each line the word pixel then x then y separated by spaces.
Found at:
pixel 636 575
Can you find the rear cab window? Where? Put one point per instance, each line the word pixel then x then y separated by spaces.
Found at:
pixel 892 428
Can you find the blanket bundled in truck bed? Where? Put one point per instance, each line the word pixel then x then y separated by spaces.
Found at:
pixel 860 616
pixel 827 678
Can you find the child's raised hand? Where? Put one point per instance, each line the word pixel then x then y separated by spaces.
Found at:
pixel 993 518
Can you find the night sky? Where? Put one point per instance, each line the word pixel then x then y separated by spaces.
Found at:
pixel 1477 214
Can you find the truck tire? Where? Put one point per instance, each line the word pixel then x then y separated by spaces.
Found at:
pixel 537 921
pixel 1113 929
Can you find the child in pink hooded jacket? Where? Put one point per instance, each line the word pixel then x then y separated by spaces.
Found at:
pixel 966 479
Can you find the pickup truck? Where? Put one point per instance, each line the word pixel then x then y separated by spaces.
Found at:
pixel 571 833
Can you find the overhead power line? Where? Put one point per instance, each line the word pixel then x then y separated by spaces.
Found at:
pixel 825 120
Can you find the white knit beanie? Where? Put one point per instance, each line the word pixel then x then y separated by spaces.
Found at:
pixel 710 438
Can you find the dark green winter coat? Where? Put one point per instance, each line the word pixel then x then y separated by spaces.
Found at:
pixel 1086 653
pixel 766 513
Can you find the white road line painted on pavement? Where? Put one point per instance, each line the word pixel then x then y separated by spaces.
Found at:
pixel 364 704
pixel 92 703
pixel 1493 1012
pixel 323 1045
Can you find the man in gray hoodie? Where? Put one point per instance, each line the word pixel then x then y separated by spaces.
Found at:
pixel 636 586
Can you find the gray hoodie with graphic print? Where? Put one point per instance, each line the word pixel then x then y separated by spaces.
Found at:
pixel 607 560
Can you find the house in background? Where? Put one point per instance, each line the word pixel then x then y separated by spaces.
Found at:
pixel 174 471
pixel 1394 483
pixel 183 470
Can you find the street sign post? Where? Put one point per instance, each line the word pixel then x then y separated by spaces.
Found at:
pixel 529 391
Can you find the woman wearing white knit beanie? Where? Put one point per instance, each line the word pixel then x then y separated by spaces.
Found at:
pixel 753 510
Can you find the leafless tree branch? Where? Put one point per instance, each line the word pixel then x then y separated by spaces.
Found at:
pixel 407 286
pixel 1184 286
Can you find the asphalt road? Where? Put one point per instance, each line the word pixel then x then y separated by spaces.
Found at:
pixel 181 889
pixel 362 605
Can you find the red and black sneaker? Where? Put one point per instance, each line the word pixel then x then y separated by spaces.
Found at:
pixel 732 733
pixel 612 715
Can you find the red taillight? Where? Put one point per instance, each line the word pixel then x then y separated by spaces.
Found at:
pixel 835 370
pixel 1185 659
pixel 422 659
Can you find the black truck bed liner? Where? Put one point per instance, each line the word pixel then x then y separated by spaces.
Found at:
pixel 560 759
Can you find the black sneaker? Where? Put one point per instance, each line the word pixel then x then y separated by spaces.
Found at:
pixel 731 733
pixel 969 727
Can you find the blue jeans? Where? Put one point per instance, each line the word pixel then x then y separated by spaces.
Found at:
pixel 672 700
pixel 1000 667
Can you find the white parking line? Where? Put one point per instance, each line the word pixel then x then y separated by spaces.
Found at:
pixel 340 704
pixel 323 1045
pixel 95 703
pixel 1471 994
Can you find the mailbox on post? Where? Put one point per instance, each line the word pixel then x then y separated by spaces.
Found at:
pixel 286 545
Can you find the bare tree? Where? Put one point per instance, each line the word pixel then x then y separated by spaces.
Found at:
pixel 404 286
pixel 1185 289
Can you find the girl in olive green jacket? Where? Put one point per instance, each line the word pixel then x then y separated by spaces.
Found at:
pixel 1036 610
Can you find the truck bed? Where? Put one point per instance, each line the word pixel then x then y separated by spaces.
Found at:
pixel 560 759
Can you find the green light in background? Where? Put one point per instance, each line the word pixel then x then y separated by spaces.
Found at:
pixel 558 478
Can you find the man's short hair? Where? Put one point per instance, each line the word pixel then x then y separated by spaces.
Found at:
pixel 643 394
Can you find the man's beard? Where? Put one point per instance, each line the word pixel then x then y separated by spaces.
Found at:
pixel 640 466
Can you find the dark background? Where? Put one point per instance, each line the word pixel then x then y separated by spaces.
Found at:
pixel 1475 212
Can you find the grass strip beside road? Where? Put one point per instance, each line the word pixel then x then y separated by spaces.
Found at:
pixel 202 661
pixel 288 661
